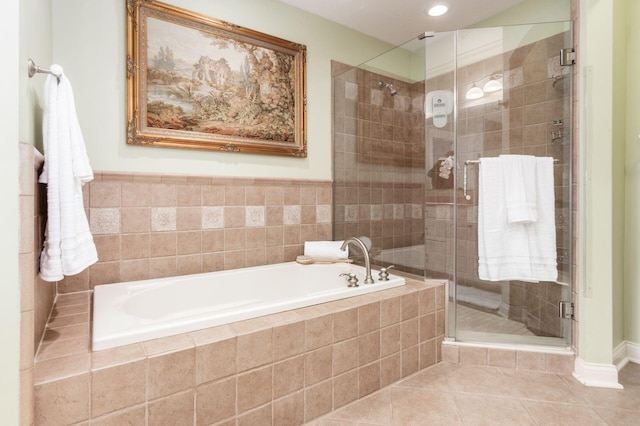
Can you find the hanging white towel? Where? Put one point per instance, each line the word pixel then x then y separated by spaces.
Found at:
pixel 68 246
pixel 519 173
pixel 542 233
pixel 515 251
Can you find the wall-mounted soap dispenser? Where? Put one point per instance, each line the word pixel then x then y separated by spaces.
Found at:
pixel 439 104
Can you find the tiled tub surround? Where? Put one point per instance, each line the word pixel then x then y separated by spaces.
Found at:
pixel 36 296
pixel 281 369
pixel 152 226
pixel 378 160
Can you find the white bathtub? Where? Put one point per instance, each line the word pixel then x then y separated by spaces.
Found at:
pixel 136 311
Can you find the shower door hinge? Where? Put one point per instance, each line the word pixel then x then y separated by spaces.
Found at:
pixel 567 56
pixel 566 310
pixel 426 34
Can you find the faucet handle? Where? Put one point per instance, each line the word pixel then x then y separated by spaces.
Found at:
pixel 383 275
pixel 351 279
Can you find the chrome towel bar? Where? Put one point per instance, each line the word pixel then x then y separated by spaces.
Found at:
pixel 464 176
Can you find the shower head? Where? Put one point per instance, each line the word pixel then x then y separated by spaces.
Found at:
pixel 390 87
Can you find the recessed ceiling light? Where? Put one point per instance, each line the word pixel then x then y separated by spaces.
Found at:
pixel 438 10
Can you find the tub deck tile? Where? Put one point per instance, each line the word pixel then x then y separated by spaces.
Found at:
pixel 255 349
pixel 61 368
pixel 63 348
pixel 211 335
pixel 315 332
pixel 120 355
pixel 250 326
pixel 68 332
pixel 73 299
pixel 345 324
pixel 335 353
pixel 288 340
pixel 314 311
pixel 176 343
pixel 283 318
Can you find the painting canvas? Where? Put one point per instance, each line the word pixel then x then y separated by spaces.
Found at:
pixel 197 82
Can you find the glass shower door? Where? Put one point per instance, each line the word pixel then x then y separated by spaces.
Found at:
pixel 491 92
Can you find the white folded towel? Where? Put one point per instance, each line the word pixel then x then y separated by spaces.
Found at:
pixel 542 234
pixel 68 246
pixel 515 251
pixel 325 250
pixel 519 173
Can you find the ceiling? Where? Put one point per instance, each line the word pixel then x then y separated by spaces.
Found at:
pixel 397 21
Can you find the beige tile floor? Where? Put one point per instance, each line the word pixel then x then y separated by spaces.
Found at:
pixel 450 394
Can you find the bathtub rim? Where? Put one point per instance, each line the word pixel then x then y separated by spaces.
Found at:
pixel 100 343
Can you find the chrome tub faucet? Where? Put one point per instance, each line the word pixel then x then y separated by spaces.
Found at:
pixel 367 260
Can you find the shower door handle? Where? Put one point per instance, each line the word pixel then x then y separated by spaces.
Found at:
pixel 464 183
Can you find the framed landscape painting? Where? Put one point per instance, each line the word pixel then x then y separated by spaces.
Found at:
pixel 197 82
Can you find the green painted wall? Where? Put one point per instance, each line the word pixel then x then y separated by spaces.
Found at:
pixel 9 249
pixel 89 42
pixel 619 117
pixel 530 11
pixel 632 177
pixel 596 242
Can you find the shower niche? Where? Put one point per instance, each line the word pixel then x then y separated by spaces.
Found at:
pixel 406 126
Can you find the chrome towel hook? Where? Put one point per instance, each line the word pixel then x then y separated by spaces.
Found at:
pixel 34 69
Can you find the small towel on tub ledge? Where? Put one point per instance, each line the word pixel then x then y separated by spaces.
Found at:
pixel 325 250
pixel 68 246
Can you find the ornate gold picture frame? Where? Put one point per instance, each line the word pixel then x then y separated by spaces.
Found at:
pixel 197 82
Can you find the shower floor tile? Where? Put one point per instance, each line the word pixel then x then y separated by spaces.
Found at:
pixel 451 394
pixel 470 319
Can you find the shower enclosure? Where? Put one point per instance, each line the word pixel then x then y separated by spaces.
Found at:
pixel 409 129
